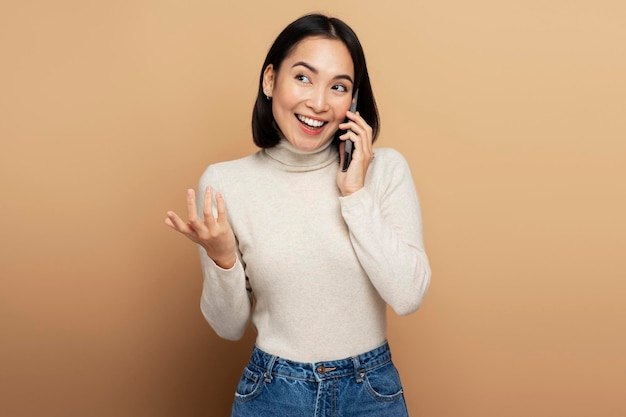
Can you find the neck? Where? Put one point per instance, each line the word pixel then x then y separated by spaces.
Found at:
pixel 289 158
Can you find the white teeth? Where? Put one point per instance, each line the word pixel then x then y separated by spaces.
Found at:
pixel 310 122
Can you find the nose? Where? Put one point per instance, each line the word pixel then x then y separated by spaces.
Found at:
pixel 317 101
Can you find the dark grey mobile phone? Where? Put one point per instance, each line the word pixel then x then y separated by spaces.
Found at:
pixel 349 146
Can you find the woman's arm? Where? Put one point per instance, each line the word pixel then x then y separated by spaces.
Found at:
pixel 224 303
pixel 385 223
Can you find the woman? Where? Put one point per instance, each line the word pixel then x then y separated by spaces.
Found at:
pixel 311 253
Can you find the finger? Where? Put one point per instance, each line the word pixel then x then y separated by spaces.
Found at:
pixel 354 132
pixel 221 208
pixel 209 218
pixel 208 205
pixel 191 204
pixel 169 223
pixel 192 211
pixel 359 139
pixel 176 222
pixel 355 118
pixel 359 125
pixel 364 132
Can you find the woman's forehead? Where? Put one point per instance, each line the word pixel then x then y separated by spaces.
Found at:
pixel 322 53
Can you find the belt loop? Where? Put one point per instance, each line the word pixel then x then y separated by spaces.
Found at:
pixel 268 373
pixel 359 373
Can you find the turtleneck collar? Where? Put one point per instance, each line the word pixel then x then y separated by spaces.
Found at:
pixel 287 157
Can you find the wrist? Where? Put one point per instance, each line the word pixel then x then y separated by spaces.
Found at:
pixel 225 262
pixel 349 191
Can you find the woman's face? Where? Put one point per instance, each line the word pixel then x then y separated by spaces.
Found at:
pixel 311 92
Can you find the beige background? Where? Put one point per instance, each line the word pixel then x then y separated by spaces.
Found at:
pixel 511 114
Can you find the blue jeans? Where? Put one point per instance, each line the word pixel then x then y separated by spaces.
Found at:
pixel 367 385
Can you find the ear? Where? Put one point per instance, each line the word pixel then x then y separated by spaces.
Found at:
pixel 268 80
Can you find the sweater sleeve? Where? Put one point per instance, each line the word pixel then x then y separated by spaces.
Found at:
pixel 225 301
pixel 385 224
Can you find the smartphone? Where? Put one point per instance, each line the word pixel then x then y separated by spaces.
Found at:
pixel 349 146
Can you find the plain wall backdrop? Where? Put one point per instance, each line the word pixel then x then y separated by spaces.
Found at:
pixel 512 115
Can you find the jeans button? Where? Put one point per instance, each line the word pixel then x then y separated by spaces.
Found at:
pixel 322 369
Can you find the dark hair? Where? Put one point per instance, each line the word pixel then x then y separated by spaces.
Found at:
pixel 264 131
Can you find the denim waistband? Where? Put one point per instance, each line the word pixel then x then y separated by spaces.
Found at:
pixel 357 365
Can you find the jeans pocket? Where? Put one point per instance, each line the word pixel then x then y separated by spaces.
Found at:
pixel 383 383
pixel 249 386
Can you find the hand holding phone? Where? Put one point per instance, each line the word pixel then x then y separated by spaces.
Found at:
pixel 349 145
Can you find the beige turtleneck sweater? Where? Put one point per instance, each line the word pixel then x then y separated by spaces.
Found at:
pixel 321 266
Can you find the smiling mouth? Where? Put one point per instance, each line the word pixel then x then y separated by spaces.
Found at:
pixel 310 123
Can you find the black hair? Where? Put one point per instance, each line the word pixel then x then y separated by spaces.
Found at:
pixel 264 130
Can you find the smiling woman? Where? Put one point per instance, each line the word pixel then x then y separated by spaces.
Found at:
pixel 268 256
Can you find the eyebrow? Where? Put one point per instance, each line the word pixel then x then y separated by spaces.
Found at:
pixel 315 71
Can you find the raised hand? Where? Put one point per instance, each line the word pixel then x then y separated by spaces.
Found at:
pixel 360 133
pixel 214 234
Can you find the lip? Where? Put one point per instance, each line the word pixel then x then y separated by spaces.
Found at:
pixel 309 129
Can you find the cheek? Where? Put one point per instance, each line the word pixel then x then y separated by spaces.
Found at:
pixel 340 112
pixel 282 103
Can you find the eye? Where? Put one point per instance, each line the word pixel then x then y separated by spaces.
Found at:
pixel 303 78
pixel 340 87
